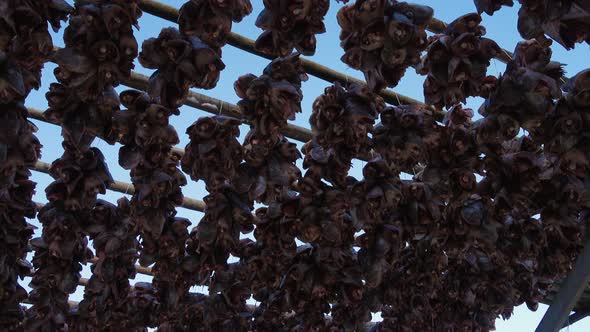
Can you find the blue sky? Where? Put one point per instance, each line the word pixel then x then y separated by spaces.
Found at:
pixel 501 27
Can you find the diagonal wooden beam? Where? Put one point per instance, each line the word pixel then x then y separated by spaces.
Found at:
pixel 568 295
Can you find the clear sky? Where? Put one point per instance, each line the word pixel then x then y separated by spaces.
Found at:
pixel 501 27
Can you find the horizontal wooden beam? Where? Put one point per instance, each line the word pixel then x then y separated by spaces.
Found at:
pixel 216 106
pixel 127 188
pixel 170 13
pixel 39 115
pixel 438 26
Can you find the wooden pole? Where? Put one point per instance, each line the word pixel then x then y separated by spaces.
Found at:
pixel 438 26
pixel 127 188
pixel 38 115
pixel 170 13
pixel 217 106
